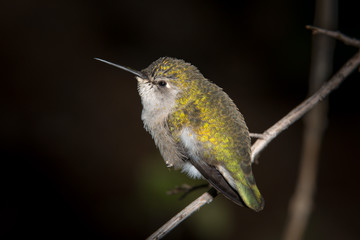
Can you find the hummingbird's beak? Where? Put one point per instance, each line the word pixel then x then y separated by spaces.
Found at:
pixel 135 72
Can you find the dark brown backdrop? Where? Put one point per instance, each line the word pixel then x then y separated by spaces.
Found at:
pixel 75 160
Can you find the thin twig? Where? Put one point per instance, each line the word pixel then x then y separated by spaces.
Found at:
pixel 269 135
pixel 305 106
pixel 205 198
pixel 337 35
pixel 186 189
pixel 256 135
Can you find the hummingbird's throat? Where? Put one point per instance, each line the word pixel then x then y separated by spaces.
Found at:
pixel 142 80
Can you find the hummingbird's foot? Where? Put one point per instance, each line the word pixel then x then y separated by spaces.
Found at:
pixel 257 135
pixel 186 189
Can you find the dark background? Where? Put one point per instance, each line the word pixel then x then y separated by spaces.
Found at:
pixel 75 159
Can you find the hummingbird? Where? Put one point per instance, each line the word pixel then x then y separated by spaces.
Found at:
pixel 197 128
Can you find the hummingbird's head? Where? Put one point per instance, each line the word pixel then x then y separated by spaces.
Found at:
pixel 164 81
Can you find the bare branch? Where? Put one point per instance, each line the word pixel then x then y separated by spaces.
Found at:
pixel 205 198
pixel 337 35
pixel 267 137
pixel 256 135
pixel 305 106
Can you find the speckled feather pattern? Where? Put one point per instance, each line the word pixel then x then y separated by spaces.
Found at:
pixel 219 127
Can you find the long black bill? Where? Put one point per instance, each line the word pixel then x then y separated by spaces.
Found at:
pixel 135 72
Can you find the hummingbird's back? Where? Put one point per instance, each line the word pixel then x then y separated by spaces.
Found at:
pixel 219 137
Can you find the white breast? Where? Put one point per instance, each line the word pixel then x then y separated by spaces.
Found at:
pixel 191 145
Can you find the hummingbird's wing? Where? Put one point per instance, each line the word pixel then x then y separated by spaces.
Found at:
pixel 217 180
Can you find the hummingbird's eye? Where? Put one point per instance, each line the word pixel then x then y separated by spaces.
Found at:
pixel 162 83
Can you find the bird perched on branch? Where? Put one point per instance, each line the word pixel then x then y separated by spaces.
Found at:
pixel 197 128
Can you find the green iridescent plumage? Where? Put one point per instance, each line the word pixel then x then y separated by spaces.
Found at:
pixel 216 122
pixel 197 128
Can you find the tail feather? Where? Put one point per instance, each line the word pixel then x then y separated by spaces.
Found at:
pixel 217 180
pixel 242 194
pixel 243 182
pixel 251 196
